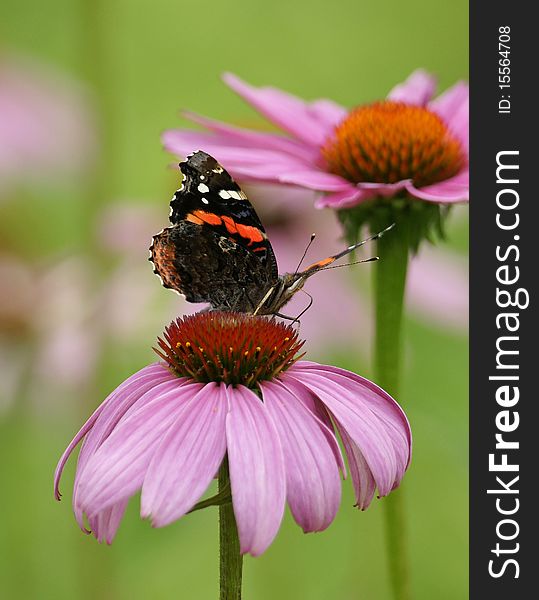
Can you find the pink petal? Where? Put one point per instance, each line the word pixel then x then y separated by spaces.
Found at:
pixel 320 414
pixel 115 404
pixel 265 173
pixel 141 391
pixel 183 142
pixel 354 415
pixel 417 89
pixel 257 474
pixel 453 107
pixel 187 458
pixel 450 102
pixel 315 179
pixel 327 111
pixel 105 524
pixel 117 469
pixel 385 190
pixel 352 196
pixel 313 487
pixel 455 189
pixel 140 394
pixel 72 445
pixel 247 138
pixel 356 194
pixel 459 124
pixel 362 477
pixel 379 402
pixel 288 112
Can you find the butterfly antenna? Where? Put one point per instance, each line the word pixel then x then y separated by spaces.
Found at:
pixel 313 235
pixel 356 262
pixel 376 236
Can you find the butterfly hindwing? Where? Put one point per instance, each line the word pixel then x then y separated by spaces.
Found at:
pixel 205 266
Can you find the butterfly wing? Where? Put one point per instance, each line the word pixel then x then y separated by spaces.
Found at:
pixel 216 250
pixel 204 266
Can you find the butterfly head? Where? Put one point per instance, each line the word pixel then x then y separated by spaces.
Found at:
pixel 287 285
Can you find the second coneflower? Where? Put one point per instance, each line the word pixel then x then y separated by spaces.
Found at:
pixel 231 396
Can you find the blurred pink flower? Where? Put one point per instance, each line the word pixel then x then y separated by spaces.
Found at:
pixel 408 142
pixel 133 302
pixel 437 288
pixel 65 324
pixel 224 391
pixel 56 318
pixel 49 347
pixel 46 126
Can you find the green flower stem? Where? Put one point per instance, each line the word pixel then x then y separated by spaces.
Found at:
pixel 389 284
pixel 230 559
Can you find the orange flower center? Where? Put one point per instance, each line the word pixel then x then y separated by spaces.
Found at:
pixel 233 348
pixel 388 141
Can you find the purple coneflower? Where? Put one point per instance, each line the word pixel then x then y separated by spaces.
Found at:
pixel 231 386
pixel 408 143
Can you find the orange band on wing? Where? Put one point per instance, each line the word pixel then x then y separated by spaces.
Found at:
pixel 193 219
pixel 229 224
pixel 206 217
pixel 253 234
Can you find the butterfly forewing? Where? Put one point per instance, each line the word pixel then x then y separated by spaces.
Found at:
pixel 216 250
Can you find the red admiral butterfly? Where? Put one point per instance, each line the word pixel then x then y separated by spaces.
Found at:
pixel 217 251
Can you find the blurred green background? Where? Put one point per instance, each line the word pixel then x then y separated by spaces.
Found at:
pixel 80 308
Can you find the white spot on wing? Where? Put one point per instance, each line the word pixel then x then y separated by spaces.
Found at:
pixel 224 194
pixel 234 194
pixel 205 201
pixel 203 188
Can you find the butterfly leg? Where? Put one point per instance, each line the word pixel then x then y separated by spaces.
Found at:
pixel 285 317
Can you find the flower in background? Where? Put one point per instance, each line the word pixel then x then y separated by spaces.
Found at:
pixel 409 143
pixel 437 288
pixel 133 303
pixel 46 127
pixel 49 349
pixel 231 385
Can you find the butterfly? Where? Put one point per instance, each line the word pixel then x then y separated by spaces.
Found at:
pixel 216 250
